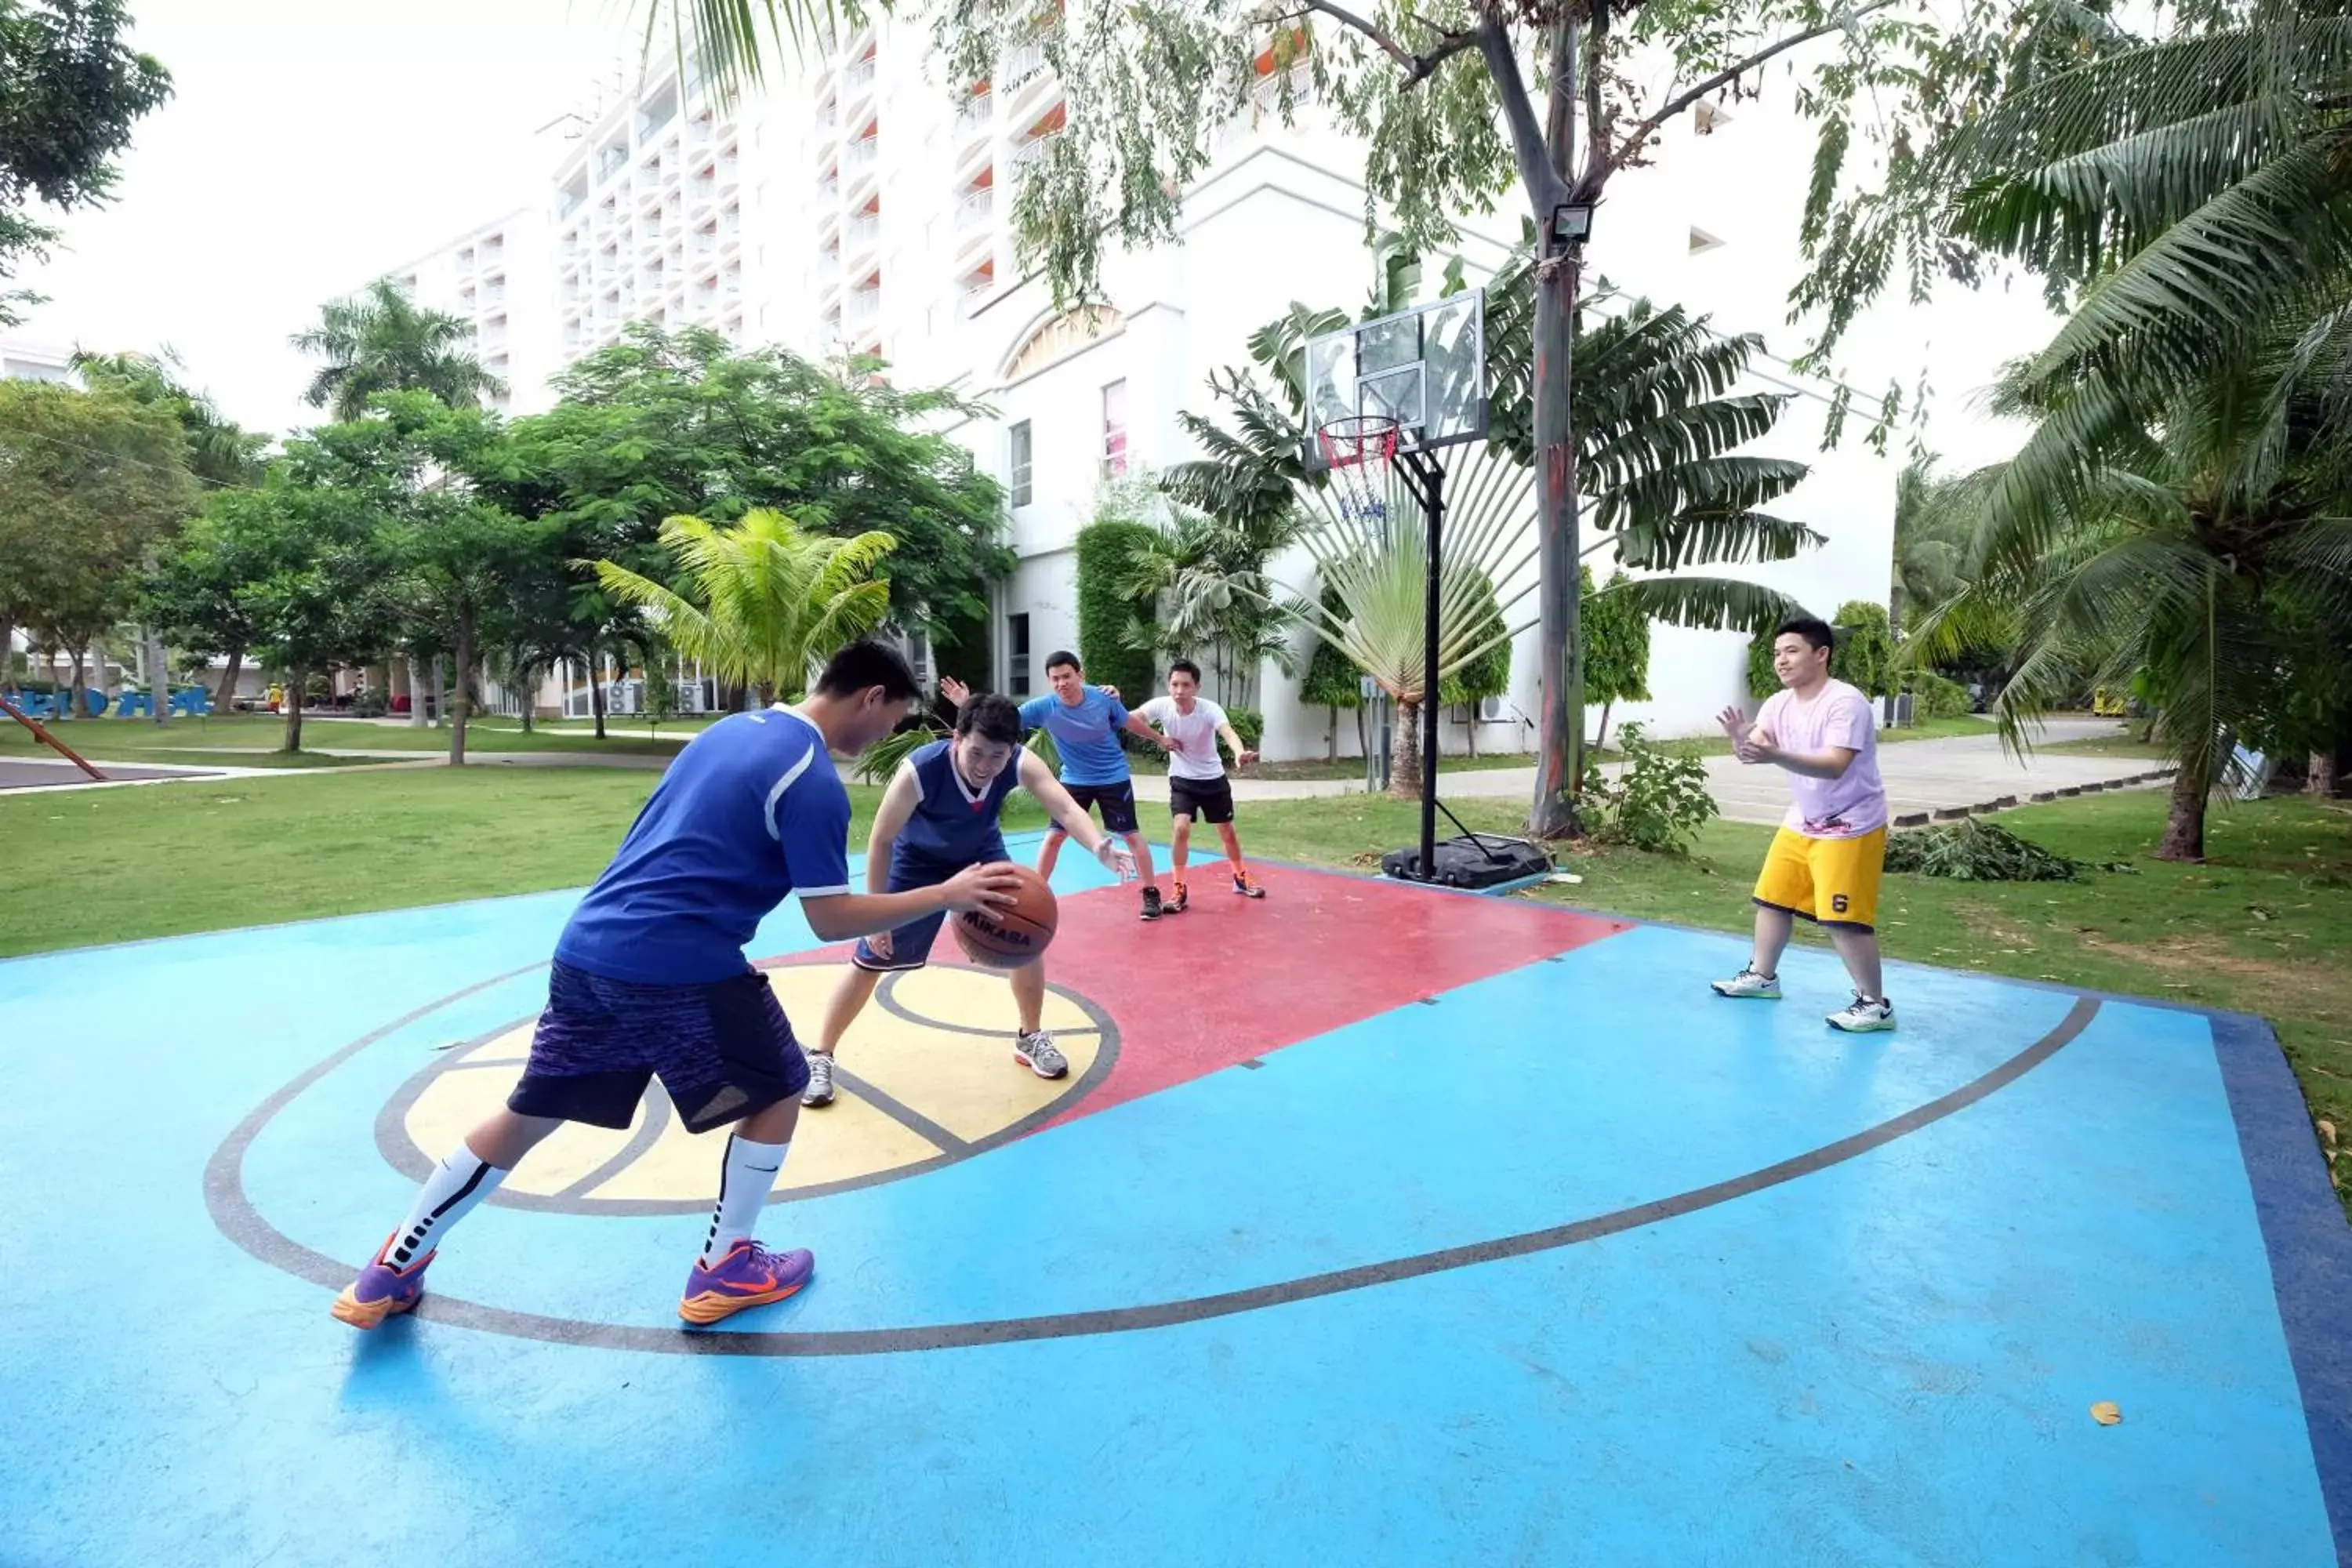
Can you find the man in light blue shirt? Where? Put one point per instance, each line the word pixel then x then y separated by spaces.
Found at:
pixel 1085 722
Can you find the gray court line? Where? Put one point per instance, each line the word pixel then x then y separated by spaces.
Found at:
pixel 888 996
pixel 649 1133
pixel 402 1154
pixel 906 1116
pixel 241 1223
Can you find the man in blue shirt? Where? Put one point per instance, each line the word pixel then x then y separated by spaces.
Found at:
pixel 650 979
pixel 1085 722
pixel 944 811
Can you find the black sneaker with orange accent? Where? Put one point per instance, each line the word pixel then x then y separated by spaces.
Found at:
pixel 1246 886
pixel 1175 906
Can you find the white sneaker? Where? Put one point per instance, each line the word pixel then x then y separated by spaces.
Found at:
pixel 820 1084
pixel 1749 983
pixel 1038 1052
pixel 1863 1017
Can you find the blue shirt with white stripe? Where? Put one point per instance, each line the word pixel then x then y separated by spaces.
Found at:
pixel 750 812
pixel 953 824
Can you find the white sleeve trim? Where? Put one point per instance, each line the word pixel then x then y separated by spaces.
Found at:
pixel 913 778
pixel 777 794
pixel 821 892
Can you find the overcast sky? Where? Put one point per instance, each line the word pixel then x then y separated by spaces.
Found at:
pixel 313 144
pixel 308 147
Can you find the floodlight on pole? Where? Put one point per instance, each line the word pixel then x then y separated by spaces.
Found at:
pixel 1572 225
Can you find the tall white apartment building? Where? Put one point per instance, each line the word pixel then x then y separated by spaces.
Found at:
pixel 865 206
pixel 499 279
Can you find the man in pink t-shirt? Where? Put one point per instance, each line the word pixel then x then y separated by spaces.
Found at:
pixel 1826 861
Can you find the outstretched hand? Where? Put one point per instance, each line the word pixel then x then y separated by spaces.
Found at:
pixel 954 691
pixel 1117 859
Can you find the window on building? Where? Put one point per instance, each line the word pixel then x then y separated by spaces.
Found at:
pixel 1016 656
pixel 1114 447
pixel 1021 465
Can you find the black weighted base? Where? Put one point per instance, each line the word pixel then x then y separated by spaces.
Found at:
pixel 1470 860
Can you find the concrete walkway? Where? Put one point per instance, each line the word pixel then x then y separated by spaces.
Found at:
pixel 1923 777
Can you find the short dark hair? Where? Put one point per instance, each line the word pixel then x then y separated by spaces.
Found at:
pixel 1813 628
pixel 1189 667
pixel 1062 656
pixel 865 663
pixel 992 718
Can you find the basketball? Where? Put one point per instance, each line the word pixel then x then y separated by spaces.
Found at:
pixel 1014 936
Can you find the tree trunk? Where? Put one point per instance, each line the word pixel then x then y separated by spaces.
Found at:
pixel 595 695
pixel 298 681
pixel 461 702
pixel 416 692
pixel 1331 736
pixel 2321 780
pixel 72 709
pixel 1559 723
pixel 225 698
pixel 7 648
pixel 1601 741
pixel 440 690
pixel 2184 820
pixel 1404 771
pixel 1470 727
pixel 159 677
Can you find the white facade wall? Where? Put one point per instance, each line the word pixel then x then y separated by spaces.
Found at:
pixel 787 224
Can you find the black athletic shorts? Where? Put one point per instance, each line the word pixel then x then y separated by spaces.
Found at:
pixel 722 1050
pixel 1210 800
pixel 1117 802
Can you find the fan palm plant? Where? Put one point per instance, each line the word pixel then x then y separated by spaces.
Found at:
pixel 762 601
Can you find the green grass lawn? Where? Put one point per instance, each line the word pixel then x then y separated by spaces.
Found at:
pixel 2265 926
pixel 126 739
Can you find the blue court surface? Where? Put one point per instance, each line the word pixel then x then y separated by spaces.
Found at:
pixel 1372 1225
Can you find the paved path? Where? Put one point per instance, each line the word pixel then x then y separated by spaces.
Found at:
pixel 1922 776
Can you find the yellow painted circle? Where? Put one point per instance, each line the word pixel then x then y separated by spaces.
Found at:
pixel 927 1075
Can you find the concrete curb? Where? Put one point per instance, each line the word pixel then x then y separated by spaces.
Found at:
pixel 2039 797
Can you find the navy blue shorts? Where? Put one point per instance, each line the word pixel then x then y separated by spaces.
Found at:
pixel 910 946
pixel 721 1050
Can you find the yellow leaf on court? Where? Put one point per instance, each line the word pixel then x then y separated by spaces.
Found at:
pixel 2107 1412
pixel 2327 1134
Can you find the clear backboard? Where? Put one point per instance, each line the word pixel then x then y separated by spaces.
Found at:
pixel 1425 368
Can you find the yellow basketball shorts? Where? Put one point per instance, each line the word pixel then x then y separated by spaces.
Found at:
pixel 1832 881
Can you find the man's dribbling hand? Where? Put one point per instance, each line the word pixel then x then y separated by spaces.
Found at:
pixel 954 691
pixel 983 889
pixel 878 944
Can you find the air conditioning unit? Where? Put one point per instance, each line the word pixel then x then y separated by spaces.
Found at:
pixel 1490 711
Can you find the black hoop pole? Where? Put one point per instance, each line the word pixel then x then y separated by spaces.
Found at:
pixel 1433 502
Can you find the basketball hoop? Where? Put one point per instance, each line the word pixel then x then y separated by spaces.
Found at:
pixel 1359 452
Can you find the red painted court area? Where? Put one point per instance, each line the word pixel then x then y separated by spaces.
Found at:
pixel 1231 979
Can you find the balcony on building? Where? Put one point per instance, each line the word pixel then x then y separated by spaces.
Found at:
pixel 657 112
pixel 702 129
pixel 463 262
pixel 730 282
pixel 975 210
pixel 828 184
pixel 977 114
pixel 864 301
pixel 731 224
pixel 706 241
pixel 980 282
pixel 863 148
pixel 569 199
pixel 611 160
pixel 494 333
pixel 857 77
pixel 865 230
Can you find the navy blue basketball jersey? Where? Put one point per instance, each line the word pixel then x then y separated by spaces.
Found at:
pixel 953 824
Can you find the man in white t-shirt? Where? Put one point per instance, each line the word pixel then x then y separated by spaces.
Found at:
pixel 1826 861
pixel 1197 785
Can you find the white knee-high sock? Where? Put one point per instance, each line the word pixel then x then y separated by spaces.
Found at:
pixel 745 1180
pixel 449 1194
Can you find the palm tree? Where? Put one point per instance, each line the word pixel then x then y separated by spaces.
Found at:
pixel 382 341
pixel 1201 589
pixel 1934 516
pixel 220 451
pixel 774 598
pixel 2200 556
